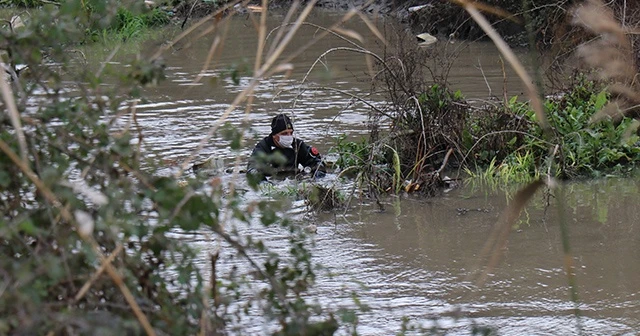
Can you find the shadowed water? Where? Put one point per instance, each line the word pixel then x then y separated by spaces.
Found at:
pixel 413 258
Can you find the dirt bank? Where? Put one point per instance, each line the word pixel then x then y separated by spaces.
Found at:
pixel 437 17
pixel 549 21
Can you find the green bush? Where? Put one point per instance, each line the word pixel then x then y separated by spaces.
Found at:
pixel 76 188
pixel 590 149
pixel 351 154
pixel 583 149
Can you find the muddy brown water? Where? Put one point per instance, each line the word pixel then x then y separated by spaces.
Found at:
pixel 412 259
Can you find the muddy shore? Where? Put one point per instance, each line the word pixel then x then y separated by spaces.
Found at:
pixel 438 18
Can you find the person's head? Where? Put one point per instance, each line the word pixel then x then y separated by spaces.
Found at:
pixel 282 131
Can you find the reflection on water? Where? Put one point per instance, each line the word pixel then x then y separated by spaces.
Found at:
pixel 413 258
pixel 425 251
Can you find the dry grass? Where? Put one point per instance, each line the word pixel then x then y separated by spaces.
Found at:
pixel 611 55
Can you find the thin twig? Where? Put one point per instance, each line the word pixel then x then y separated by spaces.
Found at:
pixel 444 162
pixel 242 250
pixel 214 46
pixel 64 212
pixel 14 115
pixel 134 117
pixel 504 82
pixel 351 95
pixel 117 279
pixel 501 132
pixel 532 91
pixel 180 204
pixel 109 58
pixel 285 22
pixel 424 132
pixel 329 31
pixel 85 288
pixel 186 17
pixel 484 77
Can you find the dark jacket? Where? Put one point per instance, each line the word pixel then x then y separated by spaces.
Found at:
pixel 269 159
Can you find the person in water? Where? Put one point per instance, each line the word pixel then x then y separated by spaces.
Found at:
pixel 282 152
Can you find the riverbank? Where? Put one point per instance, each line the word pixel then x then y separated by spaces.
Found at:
pixel 542 22
pixel 99 238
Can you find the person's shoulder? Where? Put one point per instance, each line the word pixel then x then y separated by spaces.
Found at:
pixel 266 141
pixel 300 141
pixel 265 144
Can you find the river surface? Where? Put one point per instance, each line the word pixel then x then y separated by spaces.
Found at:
pixel 414 258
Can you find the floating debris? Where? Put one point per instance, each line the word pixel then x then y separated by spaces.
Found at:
pixel 16 22
pixel 311 228
pixel 414 9
pixel 212 166
pixel 427 39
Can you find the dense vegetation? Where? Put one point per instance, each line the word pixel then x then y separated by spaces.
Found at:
pixel 584 128
pixel 88 227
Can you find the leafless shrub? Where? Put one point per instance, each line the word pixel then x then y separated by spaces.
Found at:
pixel 426 118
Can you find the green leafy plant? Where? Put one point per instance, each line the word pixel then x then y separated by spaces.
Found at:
pixel 350 154
pixel 582 149
pixel 89 226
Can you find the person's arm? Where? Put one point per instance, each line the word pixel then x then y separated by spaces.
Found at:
pixel 256 164
pixel 309 156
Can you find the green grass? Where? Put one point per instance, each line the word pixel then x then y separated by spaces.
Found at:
pixel 128 26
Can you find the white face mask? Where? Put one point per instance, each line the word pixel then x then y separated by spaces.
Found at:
pixel 286 141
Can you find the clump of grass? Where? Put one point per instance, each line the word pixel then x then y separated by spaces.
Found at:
pixel 127 25
pixel 517 150
pixel 321 198
pixel 350 153
pixel 22 3
pixel 495 130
